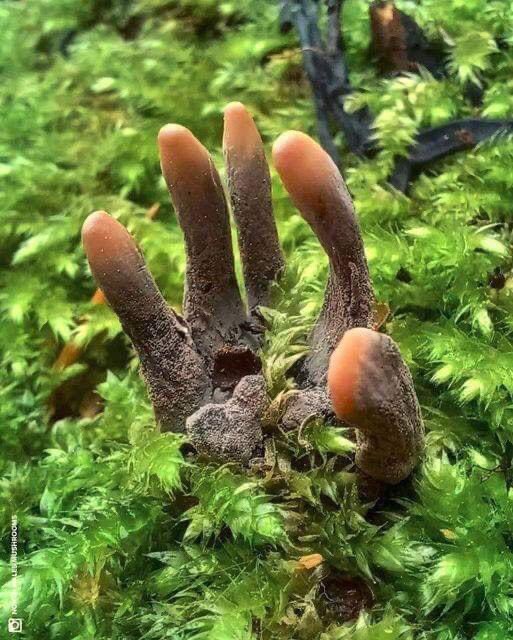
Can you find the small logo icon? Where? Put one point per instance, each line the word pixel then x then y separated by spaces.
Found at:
pixel 15 625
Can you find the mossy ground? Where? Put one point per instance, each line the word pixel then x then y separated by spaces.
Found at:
pixel 120 534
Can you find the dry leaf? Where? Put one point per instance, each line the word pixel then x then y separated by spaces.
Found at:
pixel 311 561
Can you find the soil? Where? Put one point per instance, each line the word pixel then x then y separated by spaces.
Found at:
pixel 342 597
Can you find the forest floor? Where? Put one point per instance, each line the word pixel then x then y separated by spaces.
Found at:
pixel 121 533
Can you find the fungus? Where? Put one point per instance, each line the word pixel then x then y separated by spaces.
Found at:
pixel 249 185
pixel 203 371
pixel 317 189
pixel 371 388
pixel 171 365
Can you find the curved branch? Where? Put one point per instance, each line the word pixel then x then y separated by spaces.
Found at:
pixel 327 72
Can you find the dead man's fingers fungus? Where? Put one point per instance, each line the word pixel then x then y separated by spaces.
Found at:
pixel 371 388
pixel 171 366
pixel 316 187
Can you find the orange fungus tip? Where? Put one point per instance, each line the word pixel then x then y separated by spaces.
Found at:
pixel 98 231
pixel 104 239
pixel 240 132
pixel 95 220
pixel 235 110
pixel 305 169
pixel 344 373
pixel 172 134
pixel 181 153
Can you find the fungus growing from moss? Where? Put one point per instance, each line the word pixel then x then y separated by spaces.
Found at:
pixel 203 371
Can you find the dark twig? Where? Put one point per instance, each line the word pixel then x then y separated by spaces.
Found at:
pixel 326 69
pixel 334 40
pixel 438 142
pixel 304 18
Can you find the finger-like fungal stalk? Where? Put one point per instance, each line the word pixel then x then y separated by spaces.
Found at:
pixel 318 190
pixel 249 185
pixel 207 380
pixel 171 366
pixel 213 306
pixel 232 431
pixel 371 388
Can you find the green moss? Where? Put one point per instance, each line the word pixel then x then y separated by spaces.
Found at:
pixel 121 536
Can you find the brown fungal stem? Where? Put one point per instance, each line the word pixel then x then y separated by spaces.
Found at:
pixel 171 365
pixel 249 185
pixel 318 190
pixel 71 352
pixel 213 305
pixel 372 389
pixel 369 384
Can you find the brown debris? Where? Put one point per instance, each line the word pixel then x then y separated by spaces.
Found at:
pixel 399 44
pixel 389 38
pixel 310 561
pixel 343 597
pixel 465 137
